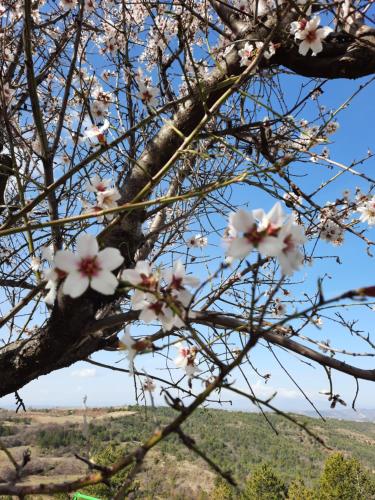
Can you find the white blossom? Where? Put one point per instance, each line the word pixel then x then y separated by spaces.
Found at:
pixel 153 308
pixel 186 359
pixel 177 281
pixel 148 95
pixel 89 267
pixel 196 241
pixel 97 185
pixel 310 35
pixel 367 211
pixel 331 232
pixel 108 199
pixel 246 54
pixel 149 385
pixel 269 52
pixel 278 308
pixel 262 237
pixel 52 280
pixel 142 275
pixel 97 132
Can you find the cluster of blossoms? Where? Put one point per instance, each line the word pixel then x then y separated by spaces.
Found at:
pixel 100 104
pixel 250 50
pixel 166 304
pixel 272 234
pixel 259 8
pixel 278 308
pixel 112 40
pixel 292 136
pixel 106 196
pixel 196 241
pixel 186 358
pixel 310 35
pixel 165 28
pixel 329 230
pixel 90 5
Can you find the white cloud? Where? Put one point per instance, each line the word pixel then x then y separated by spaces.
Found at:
pixel 84 373
pixel 265 391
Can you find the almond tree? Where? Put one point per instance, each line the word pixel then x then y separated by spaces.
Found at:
pixel 130 133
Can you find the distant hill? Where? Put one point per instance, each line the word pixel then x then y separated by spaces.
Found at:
pixel 235 440
pixel 345 414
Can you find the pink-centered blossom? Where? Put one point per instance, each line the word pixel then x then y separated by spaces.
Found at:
pixel 149 385
pixel 133 347
pixel 90 5
pixel 177 280
pixel 97 185
pixel 310 35
pixel 154 308
pixel 148 95
pixel 89 267
pixel 246 54
pixel 262 236
pixel 108 199
pixel 97 132
pixel 186 359
pixel 156 302
pixel 142 275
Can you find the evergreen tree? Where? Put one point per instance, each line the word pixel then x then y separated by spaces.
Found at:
pixel 264 484
pixel 108 456
pixel 222 491
pixel 299 491
pixel 345 479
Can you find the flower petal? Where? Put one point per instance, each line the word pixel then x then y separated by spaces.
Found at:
pixel 143 267
pixel 179 269
pixel 275 215
pixel 303 48
pixel 75 285
pixel 191 281
pixel 131 276
pixel 106 283
pixel 66 261
pixel 241 220
pixel 147 315
pixel 110 258
pixel 87 246
pixel 271 246
pixel 316 47
pixel 239 248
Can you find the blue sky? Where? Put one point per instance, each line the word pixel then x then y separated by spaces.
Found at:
pixel 67 387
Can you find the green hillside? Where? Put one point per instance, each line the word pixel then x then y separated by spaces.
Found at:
pixel 236 441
